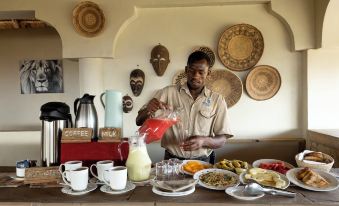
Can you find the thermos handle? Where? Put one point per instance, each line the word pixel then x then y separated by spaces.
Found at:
pixel 102 101
pixel 76 106
pixel 70 119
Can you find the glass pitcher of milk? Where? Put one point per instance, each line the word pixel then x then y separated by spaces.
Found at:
pixel 138 162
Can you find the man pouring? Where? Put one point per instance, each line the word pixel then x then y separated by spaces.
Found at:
pixel 205 117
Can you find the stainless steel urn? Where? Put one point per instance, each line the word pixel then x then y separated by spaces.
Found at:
pixel 55 116
pixel 86 114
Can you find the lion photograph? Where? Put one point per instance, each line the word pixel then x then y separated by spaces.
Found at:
pixel 41 76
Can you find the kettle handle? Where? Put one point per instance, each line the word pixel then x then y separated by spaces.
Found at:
pixel 102 101
pixel 70 119
pixel 76 106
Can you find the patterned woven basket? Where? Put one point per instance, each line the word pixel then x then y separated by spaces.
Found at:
pixel 323 167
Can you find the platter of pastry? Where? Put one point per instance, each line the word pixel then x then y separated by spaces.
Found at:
pixel 312 179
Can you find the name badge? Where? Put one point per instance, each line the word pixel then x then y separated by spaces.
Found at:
pixel 207 102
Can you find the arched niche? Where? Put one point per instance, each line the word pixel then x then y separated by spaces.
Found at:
pixel 330 29
pixel 30 40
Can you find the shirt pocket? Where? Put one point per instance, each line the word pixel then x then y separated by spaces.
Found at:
pixel 205 121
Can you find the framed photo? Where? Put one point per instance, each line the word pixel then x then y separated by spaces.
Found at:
pixel 41 76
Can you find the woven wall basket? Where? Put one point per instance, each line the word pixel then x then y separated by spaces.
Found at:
pixel 88 19
pixel 240 47
pixel 223 82
pixel 208 51
pixel 263 82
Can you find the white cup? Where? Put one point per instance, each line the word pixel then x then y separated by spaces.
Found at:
pixel 78 178
pixel 101 167
pixel 70 165
pixel 116 177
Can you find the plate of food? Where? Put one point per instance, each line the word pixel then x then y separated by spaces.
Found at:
pixel 190 167
pixel 273 164
pixel 314 160
pixel 313 179
pixel 236 166
pixel 238 193
pixel 265 177
pixel 216 179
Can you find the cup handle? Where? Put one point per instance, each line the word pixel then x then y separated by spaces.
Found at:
pixel 64 178
pixel 104 178
pixel 60 168
pixel 93 165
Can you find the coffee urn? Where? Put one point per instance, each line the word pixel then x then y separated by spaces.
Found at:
pixel 54 117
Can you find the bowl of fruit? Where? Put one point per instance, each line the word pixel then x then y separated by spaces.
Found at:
pixel 273 164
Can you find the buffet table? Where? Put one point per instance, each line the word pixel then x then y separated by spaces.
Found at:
pixel 143 195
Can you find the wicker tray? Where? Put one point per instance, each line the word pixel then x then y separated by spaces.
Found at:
pixel 88 19
pixel 208 51
pixel 223 82
pixel 263 82
pixel 240 47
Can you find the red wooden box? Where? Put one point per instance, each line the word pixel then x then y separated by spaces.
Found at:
pixel 91 152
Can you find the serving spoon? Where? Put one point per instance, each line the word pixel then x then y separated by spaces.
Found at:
pixel 254 189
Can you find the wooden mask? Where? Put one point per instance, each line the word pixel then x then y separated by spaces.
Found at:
pixel 159 59
pixel 127 103
pixel 137 80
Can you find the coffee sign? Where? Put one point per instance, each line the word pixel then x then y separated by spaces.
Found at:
pixel 77 133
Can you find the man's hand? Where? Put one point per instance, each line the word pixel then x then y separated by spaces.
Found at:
pixel 198 142
pixel 154 105
pixel 194 143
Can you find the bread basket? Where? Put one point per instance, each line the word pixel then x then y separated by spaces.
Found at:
pixel 314 165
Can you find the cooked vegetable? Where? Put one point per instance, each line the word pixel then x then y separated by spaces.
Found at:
pixel 217 179
pixel 232 165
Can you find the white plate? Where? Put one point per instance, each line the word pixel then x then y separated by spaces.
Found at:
pixel 238 193
pixel 185 162
pixel 258 162
pixel 334 183
pixel 68 190
pixel 243 180
pixel 174 185
pixel 107 189
pixel 173 194
pixel 201 172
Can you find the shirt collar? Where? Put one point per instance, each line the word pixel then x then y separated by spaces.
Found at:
pixel 184 87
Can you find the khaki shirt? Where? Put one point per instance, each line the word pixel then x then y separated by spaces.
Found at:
pixel 205 116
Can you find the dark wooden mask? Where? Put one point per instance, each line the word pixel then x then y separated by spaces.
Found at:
pixel 127 103
pixel 137 81
pixel 160 59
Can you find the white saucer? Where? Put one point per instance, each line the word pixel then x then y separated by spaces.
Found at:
pixel 173 194
pixel 238 193
pixel 107 189
pixel 96 181
pixel 68 190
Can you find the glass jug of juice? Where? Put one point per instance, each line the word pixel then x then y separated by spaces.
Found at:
pixel 155 127
pixel 138 162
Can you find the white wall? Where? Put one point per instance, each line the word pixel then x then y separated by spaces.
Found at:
pixel 180 30
pixel 323 86
pixel 21 111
